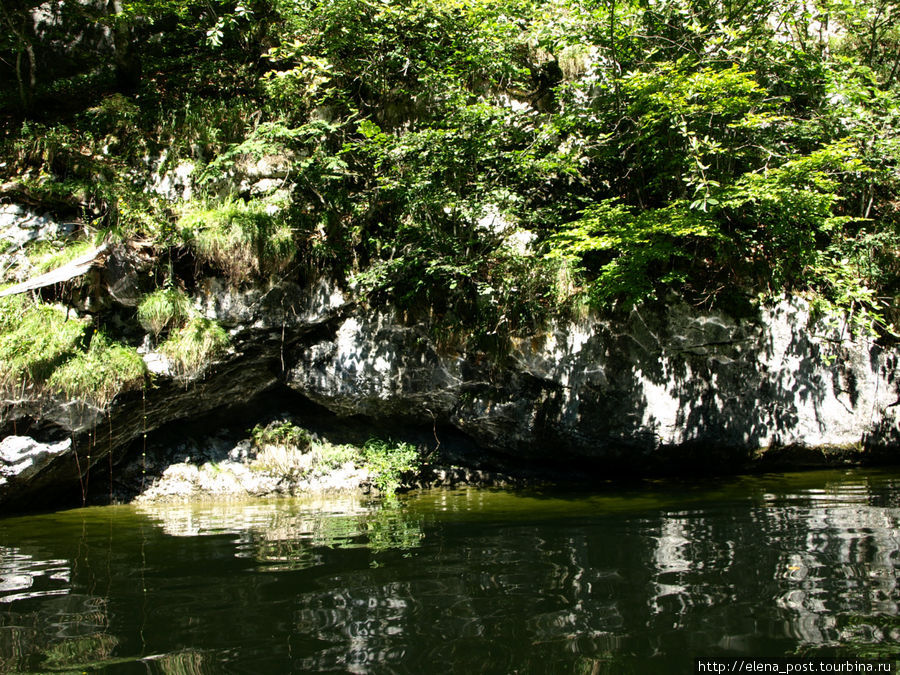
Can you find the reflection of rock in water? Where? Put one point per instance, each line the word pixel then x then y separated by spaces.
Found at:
pixel 554 600
pixel 64 631
pixel 354 586
pixel 22 576
pixel 275 519
pixel 837 573
pixel 691 559
pixel 671 558
pixel 285 534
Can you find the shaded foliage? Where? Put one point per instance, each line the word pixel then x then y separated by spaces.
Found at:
pixel 488 164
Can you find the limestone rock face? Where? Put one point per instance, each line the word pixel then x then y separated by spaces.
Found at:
pixel 630 392
pixel 22 458
pixel 20 226
pixel 374 366
pixel 661 389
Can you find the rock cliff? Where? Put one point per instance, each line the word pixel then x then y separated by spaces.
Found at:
pixel 632 393
pixel 664 389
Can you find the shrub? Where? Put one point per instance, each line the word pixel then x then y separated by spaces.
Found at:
pixel 282 449
pixel 163 308
pixel 329 457
pixel 194 346
pixel 281 433
pixel 388 462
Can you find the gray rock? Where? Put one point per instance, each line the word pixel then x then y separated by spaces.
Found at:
pixel 22 457
pixel 126 275
pixel 268 166
pixel 21 226
pixel 643 392
pixel 377 367
pixel 263 323
pixel 634 392
pixel 286 307
pixel 173 184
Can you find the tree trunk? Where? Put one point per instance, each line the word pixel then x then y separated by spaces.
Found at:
pixel 26 67
pixel 126 57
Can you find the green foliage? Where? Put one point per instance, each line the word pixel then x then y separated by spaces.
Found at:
pixel 329 457
pixel 268 138
pixel 624 254
pixel 281 433
pixel 41 348
pixel 194 346
pixel 709 148
pixel 96 376
pixel 388 462
pixel 284 449
pixel 243 239
pixel 35 339
pixel 162 309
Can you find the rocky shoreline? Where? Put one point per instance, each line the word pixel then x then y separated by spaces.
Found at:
pixel 663 389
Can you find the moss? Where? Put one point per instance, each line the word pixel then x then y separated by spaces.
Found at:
pixel 163 308
pixel 194 346
pixel 99 374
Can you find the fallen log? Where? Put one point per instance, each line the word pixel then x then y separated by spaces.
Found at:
pixel 70 270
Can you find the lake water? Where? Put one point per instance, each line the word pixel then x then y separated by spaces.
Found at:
pixel 637 579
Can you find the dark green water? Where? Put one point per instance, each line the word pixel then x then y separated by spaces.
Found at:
pixel 641 579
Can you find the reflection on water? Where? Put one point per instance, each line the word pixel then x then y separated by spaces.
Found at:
pixel 287 534
pixel 21 576
pixel 490 581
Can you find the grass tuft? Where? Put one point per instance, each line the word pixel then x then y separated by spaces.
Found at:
pixel 194 346
pixel 47 258
pixel 163 309
pixel 99 374
pixel 244 239
pixel 282 449
pixel 34 340
pixel 329 457
pixel 41 349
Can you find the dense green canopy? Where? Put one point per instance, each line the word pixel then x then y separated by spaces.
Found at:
pixel 485 162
